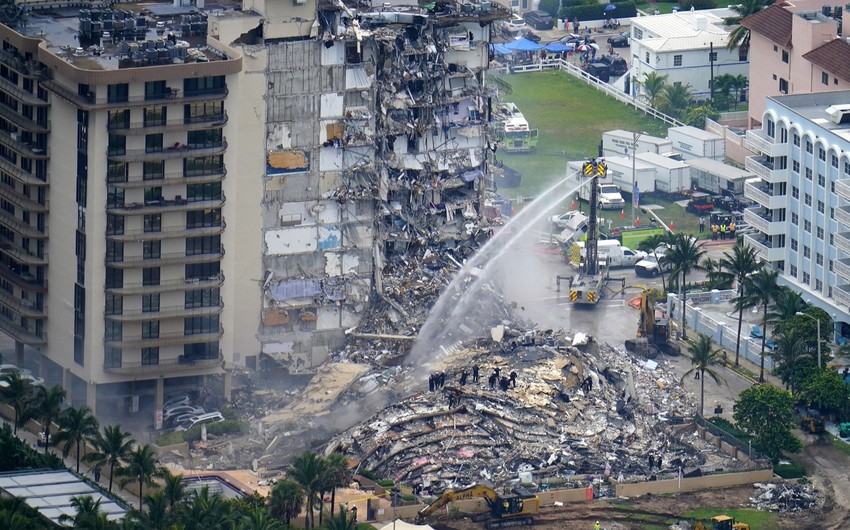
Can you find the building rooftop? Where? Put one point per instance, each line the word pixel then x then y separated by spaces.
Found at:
pixel 719 168
pixel 773 23
pixel 703 40
pixel 50 492
pixel 814 107
pixel 133 36
pixel 833 57
pixel 682 24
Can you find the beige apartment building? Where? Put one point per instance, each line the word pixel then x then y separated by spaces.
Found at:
pixel 188 193
pixel 797 49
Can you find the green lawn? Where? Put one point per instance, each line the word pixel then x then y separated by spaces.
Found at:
pixel 571 117
pixel 756 519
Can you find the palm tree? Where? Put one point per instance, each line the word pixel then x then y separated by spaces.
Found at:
pixel 87 510
pixel 342 520
pixel 286 500
pixel 307 470
pixel 738 265
pixel 156 515
pixel 785 307
pixel 76 427
pixel 259 519
pixel 723 85
pixel 205 511
pixel 17 392
pixel 790 348
pixel 740 36
pixel 741 84
pixel 703 358
pixel 337 474
pixel 714 274
pixel 761 289
pixel 173 489
pixel 675 99
pixel 47 408
pixel 653 84
pixel 684 255
pixel 110 449
pixel 142 467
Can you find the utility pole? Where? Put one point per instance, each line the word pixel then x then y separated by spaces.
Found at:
pixel 635 198
pixel 711 62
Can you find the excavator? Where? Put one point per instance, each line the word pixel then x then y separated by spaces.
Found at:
pixel 514 509
pixel 722 522
pixel 653 328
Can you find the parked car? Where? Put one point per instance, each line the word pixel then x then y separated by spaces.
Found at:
pixel 563 220
pixel 619 41
pixel 515 23
pixel 170 415
pixel 654 263
pixel 209 417
pixel 700 203
pixel 8 369
pixel 539 20
pixel 177 401
pixel 618 64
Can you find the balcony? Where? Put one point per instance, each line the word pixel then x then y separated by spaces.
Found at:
pixel 165 365
pixel 18 173
pixel 21 255
pixel 841 267
pixel 764 248
pixel 842 215
pixel 179 124
pixel 759 142
pixel 129 288
pixel 23 122
pixel 169 232
pixel 25 308
pixel 24 280
pixel 25 149
pixel 22 95
pixel 16 62
pixel 763 222
pixel 167 258
pixel 841 294
pixel 177 311
pixel 167 153
pixel 23 335
pixel 842 189
pixel 176 178
pixel 763 195
pixel 166 205
pixel 89 101
pixel 25 229
pixel 764 169
pixel 842 242
pixel 165 339
pixel 22 201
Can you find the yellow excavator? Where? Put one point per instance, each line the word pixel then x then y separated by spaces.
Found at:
pixel 722 522
pixel 514 509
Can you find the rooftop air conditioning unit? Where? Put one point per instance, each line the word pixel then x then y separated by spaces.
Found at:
pixel 839 114
pixel 299 2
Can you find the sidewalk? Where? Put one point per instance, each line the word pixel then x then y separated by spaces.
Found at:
pixel 71 463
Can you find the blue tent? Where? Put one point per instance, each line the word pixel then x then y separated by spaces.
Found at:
pixel 523 45
pixel 499 49
pixel 558 46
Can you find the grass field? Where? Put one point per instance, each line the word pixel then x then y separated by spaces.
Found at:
pixel 571 118
pixel 756 519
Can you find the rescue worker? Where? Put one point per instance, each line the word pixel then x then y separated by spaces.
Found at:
pixel 475 373
pixel 597 526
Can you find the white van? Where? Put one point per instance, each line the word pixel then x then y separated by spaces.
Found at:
pixel 616 254
pixel 209 417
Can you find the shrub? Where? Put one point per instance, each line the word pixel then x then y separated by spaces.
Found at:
pixel 597 11
pixel 194 434
pixel 699 4
pixel 368 474
pixel 790 470
pixel 729 427
pixel 386 483
pixel 550 6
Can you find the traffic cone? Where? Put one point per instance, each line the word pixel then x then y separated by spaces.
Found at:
pixel 623 213
pixel 573 204
pixel 672 228
pixel 637 221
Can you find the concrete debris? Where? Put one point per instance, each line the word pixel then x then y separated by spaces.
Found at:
pixel 783 496
pixel 592 411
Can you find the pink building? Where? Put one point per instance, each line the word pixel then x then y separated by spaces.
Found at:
pixel 795 49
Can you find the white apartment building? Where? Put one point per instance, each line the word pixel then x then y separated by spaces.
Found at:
pixel 688 47
pixel 803 196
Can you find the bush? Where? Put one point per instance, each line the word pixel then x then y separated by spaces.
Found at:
pixel 194 434
pixel 16 454
pixel 597 11
pixel 699 4
pixel 790 470
pixel 170 438
pixel 729 427
pixel 550 6
pixel 368 474
pixel 573 3
pixel 386 483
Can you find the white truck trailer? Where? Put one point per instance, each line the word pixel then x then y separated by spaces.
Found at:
pixel 671 175
pixel 691 142
pixel 619 143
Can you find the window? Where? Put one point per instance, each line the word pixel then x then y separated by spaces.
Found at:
pixel 819 258
pixel 155 116
pixel 150 356
pixel 114 304
pixel 117 93
pixel 846 168
pixel 794 245
pixel 156 90
pixel 203 324
pixel 821 181
pixel 807 225
pixel 151 249
pixel 677 60
pixel 210 191
pixel 116 145
pixel 809 147
pixel 204 139
pixel 203 271
pixel 153 170
pixel 824 78
pixel 806 278
pixel 153 143
pixel 112 358
pixel 204 350
pixel 150 276
pixel 203 245
pixel 153 223
pixel 202 298
pixel 113 330
pixel 808 199
pixel 118 119
pixel 153 195
pixel 793 270
pixel 646 58
pixel 204 85
pixel 114 251
pixel 785 56
pixel 807 252
pixel 818 285
pixel 116 172
pixel 150 329
pixel 114 278
pixel 820 206
pixel 795 192
pixel 114 225
pixel 821 153
pixel 808 173
pixel 207 165
pixel 203 112
pixel 783 86
pixel 638 33
pixel 796 138
pixel 203 218
pixel 833 160
pixel 820 232
pixel 794 218
pixel 150 303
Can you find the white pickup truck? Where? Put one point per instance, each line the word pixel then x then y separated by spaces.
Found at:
pixel 614 253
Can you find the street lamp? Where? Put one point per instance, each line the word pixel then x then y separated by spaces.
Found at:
pixel 635 200
pixel 801 314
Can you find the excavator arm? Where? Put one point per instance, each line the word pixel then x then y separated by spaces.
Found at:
pixel 472 492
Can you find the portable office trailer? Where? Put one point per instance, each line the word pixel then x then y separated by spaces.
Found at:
pixel 615 143
pixel 718 178
pixel 671 175
pixel 620 173
pixel 696 143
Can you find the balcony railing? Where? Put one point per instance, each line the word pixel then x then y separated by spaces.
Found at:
pixel 23 122
pixel 175 178
pixel 89 101
pixel 842 242
pixel 168 232
pixel 842 189
pixel 166 258
pixel 166 205
pixel 24 335
pixel 20 94
pixel 18 173
pixel 22 255
pixel 166 312
pixel 841 293
pixel 763 222
pixel 841 267
pixel 23 67
pixel 842 215
pixel 164 339
pixel 176 124
pixel 764 248
pixel 167 153
pixel 22 201
pixel 758 141
pixel 25 281
pixel 764 196
pixel 28 150
pixel 129 288
pixel 164 365
pixel 25 308
pixel 764 169
pixel 20 227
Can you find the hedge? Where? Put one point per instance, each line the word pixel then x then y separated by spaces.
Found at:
pixel 790 470
pixel 597 12
pixel 194 434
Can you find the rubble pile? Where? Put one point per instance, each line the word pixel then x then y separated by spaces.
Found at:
pixel 590 410
pixel 783 496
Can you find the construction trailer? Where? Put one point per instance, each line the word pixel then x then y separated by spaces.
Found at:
pixel 717 178
pixel 620 173
pixel 619 142
pixel 672 175
pixel 691 142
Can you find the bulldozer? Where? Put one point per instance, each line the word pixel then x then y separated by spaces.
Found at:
pixel 722 522
pixel 812 423
pixel 514 509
